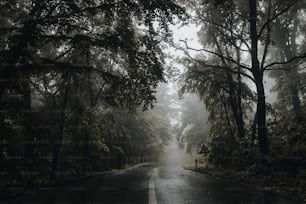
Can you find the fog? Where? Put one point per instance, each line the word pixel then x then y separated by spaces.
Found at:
pixel 119 88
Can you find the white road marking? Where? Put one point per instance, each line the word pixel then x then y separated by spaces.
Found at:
pixel 152 192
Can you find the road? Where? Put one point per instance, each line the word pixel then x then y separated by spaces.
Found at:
pixel 166 183
pixel 151 184
pixel 176 185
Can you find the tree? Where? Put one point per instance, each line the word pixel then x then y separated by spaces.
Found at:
pixel 49 32
pixel 258 17
pixel 288 78
pixel 68 62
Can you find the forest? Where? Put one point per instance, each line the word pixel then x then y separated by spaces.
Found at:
pixel 83 86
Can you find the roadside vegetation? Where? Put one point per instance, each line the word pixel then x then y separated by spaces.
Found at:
pixel 75 78
pixel 250 75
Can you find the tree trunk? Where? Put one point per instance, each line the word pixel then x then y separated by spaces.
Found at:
pixel 258 76
pixel 234 106
pixel 59 139
pixel 239 99
pixel 28 131
pixel 261 119
pixel 254 126
pixel 290 52
pixel 227 117
pixel 29 139
pixel 233 96
pixel 86 149
pixel 296 102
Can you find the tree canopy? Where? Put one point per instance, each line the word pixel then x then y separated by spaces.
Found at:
pixel 241 43
pixel 73 76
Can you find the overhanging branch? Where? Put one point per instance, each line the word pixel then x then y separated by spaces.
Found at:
pixel 284 63
pixel 216 54
pixel 268 22
pixel 216 66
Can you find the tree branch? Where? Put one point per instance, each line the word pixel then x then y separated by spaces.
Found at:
pixel 227 29
pixel 50 64
pixel 105 6
pixel 232 42
pixel 222 68
pixel 274 17
pixel 215 66
pixel 216 54
pixel 268 38
pixel 284 63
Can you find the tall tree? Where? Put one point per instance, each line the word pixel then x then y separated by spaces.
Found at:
pixel 258 16
pixel 287 30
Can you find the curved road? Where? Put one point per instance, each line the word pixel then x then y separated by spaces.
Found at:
pixel 151 184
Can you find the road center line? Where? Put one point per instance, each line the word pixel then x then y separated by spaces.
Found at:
pixel 152 192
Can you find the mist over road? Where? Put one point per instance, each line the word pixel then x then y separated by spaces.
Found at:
pixel 174 156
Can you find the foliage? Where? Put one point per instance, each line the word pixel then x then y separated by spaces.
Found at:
pixel 240 43
pixel 71 74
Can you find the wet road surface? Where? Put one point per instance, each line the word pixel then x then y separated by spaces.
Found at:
pixel 120 187
pixel 176 185
pixel 153 185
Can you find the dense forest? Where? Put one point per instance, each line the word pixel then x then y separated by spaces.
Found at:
pixel 75 79
pixel 79 82
pixel 244 46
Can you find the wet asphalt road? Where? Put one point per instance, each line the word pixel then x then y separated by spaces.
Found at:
pixel 176 185
pixel 129 186
pixel 153 185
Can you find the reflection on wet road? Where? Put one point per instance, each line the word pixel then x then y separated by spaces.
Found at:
pixel 153 185
pixel 176 185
